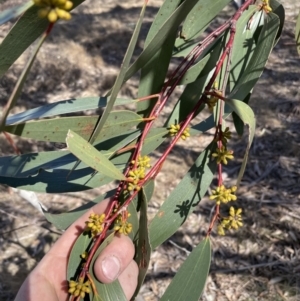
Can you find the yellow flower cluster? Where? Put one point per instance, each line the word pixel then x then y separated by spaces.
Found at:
pixel 134 177
pixel 222 154
pixel 122 226
pixel 54 9
pixel 143 162
pixel 95 224
pixel 174 129
pixel 234 221
pixel 79 288
pixel 223 195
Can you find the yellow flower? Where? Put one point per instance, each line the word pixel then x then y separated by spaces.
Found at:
pixel 135 176
pixel 235 218
pixel 95 224
pixel 222 154
pixel 221 230
pixel 223 195
pixel 79 288
pixel 143 162
pixel 174 129
pixel 122 226
pixel 54 9
pixel 226 135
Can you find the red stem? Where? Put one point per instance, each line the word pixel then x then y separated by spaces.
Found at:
pixel 163 96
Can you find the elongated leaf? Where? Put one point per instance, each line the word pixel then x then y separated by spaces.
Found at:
pixel 58 181
pixel 168 27
pixel 193 90
pixel 134 220
pixel 193 73
pixel 143 250
pixel 63 220
pixel 80 246
pixel 55 130
pixel 188 100
pixel 20 83
pixel 120 78
pixel 106 292
pixel 200 17
pixel 189 281
pixel 243 46
pixel 247 116
pixel 278 9
pixel 258 60
pixel 14 12
pixel 297 34
pixel 28 28
pixel 183 199
pixel 238 123
pixel 65 107
pixel 49 171
pixel 59 161
pixel 90 156
pixel 154 72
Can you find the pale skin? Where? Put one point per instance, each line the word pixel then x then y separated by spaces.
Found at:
pixel 48 281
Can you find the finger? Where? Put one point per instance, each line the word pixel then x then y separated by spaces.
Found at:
pixel 129 278
pixel 114 259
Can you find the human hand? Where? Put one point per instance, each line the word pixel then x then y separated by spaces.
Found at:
pixel 48 282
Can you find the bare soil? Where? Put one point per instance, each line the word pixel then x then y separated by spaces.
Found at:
pixel 261 261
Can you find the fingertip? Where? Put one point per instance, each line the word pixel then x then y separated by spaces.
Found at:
pixel 129 279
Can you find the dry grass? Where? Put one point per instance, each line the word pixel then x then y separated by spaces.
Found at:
pixel 259 262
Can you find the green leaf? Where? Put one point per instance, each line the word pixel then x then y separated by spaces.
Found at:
pixel 247 116
pixel 162 33
pixel 80 246
pixel 28 28
pixel 143 248
pixel 243 46
pixel 85 152
pixel 14 12
pixel 183 199
pixel 55 130
pixel 203 126
pixel 106 292
pixel 63 220
pixel 58 161
pixel 194 89
pixel 238 123
pixel 297 34
pixel 188 100
pixel 66 107
pixel 194 72
pixel 120 78
pixel 189 281
pixel 200 17
pixel 134 220
pixel 258 60
pixel 278 9
pixel 154 72
pixel 49 171
pixel 19 85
